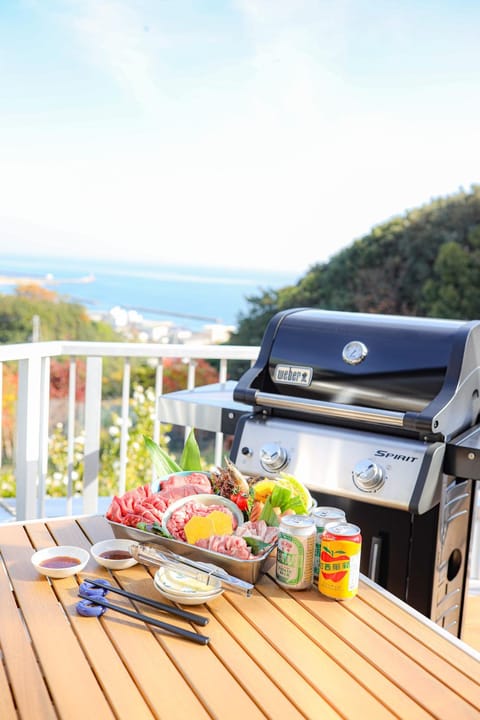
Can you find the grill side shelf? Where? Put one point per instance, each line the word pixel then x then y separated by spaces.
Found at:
pixel 462 455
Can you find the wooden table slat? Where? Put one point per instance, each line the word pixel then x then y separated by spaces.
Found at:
pixel 452 653
pixel 26 680
pixel 424 656
pixel 407 673
pixel 336 685
pixel 274 664
pixel 275 655
pixel 7 707
pixel 369 676
pixel 69 678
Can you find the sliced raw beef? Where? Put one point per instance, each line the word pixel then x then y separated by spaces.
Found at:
pixel 175 492
pixel 258 529
pixel 195 478
pixel 232 545
pixel 143 505
pixel 137 505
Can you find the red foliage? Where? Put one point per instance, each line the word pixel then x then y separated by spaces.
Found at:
pixel 175 374
pixel 59 379
pixel 10 384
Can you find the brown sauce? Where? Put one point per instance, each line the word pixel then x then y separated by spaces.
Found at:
pixel 60 561
pixel 115 555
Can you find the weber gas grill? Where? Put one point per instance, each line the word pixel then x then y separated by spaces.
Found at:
pixel 376 415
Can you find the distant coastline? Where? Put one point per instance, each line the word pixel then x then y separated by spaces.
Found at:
pixel 43 280
pixel 193 295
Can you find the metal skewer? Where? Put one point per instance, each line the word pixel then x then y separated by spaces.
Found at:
pixel 174 629
pixel 184 614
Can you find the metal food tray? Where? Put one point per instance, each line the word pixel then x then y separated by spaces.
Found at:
pixel 248 570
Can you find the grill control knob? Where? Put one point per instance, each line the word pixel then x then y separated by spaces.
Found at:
pixel 273 457
pixel 368 476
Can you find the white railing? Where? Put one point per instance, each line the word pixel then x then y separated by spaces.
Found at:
pixel 33 408
pixel 33 415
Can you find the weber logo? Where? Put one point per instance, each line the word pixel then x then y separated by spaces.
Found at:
pixel 291 375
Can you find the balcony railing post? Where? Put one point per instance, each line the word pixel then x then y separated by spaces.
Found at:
pixel 1 419
pixel 122 479
pixel 27 446
pixel 93 408
pixel 43 435
pixel 72 391
pixel 219 439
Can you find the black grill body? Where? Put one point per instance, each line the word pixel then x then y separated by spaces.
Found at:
pixel 376 415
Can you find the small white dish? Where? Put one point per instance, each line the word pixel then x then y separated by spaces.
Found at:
pixel 60 561
pixel 104 553
pixel 183 589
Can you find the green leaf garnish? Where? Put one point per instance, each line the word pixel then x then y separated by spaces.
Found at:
pixel 191 458
pixel 162 462
pixel 257 545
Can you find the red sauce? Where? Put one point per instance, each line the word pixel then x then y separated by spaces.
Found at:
pixel 60 561
pixel 115 555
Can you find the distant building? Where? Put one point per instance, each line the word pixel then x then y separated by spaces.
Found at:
pixel 134 326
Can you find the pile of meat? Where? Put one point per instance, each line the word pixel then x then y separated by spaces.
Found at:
pixel 235 545
pixel 143 505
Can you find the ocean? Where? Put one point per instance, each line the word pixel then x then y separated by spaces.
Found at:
pixel 188 296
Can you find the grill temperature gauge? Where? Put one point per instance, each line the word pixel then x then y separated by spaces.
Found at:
pixel 273 457
pixel 368 476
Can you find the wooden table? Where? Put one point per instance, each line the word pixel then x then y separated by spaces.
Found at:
pixel 276 655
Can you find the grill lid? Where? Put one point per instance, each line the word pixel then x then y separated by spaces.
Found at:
pixel 404 374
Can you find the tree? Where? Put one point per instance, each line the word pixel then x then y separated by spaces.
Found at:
pixel 424 262
pixel 59 320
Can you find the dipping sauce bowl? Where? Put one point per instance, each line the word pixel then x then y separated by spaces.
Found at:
pixel 60 561
pixel 113 554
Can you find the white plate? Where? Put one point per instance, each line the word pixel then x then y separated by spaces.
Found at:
pixel 180 583
pixel 185 600
pixel 203 499
pixel 181 588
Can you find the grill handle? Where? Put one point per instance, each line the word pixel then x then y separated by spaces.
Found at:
pixel 374 562
pixel 333 411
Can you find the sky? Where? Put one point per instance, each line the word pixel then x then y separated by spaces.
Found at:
pixel 254 133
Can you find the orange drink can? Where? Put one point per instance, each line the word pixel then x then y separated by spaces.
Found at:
pixel 340 552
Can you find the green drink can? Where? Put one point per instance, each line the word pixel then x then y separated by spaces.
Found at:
pixel 323 516
pixel 295 550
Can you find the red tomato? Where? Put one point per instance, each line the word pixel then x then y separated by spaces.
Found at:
pixel 240 500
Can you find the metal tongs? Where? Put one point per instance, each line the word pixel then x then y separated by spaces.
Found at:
pixel 201 571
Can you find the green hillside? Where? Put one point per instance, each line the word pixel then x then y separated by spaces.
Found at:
pixel 425 262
